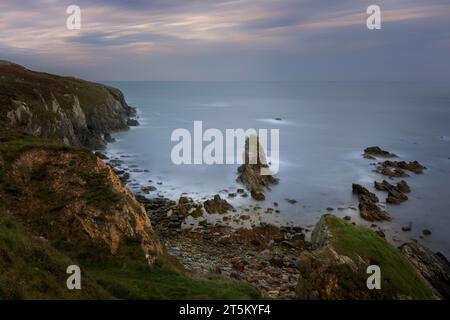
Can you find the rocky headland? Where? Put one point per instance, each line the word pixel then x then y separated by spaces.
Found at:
pixel 62 204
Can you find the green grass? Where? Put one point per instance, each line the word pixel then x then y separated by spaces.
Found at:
pixel 398 275
pixel 31 270
pixel 14 142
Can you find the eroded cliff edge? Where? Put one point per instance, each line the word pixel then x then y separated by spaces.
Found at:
pixel 71 111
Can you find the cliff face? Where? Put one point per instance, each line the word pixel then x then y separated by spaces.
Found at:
pixel 68 196
pixel 71 111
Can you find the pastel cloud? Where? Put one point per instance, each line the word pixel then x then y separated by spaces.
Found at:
pixel 170 32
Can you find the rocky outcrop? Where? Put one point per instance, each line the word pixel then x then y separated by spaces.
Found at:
pixel 71 111
pixel 250 173
pixel 71 196
pixel 372 152
pixel 368 208
pixel 396 193
pixel 217 205
pixel 336 267
pixel 434 267
pixel 396 169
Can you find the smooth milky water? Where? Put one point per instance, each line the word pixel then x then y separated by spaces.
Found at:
pixel 324 128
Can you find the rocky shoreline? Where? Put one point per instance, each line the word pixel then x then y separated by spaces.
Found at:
pixel 264 255
pixel 281 261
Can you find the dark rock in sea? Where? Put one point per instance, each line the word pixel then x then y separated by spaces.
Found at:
pixel 278 119
pixel 402 186
pixel 291 201
pixel 395 193
pixel 101 155
pixel 258 196
pixel 391 173
pixel 407 228
pixel 376 151
pixel 426 232
pixel 251 174
pixel 368 208
pixel 217 205
pixel 148 189
pixel 434 267
pixel 399 167
pixel 362 191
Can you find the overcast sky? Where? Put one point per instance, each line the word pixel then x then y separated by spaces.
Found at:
pixel 306 40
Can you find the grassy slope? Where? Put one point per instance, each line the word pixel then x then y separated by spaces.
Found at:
pixel 397 274
pixel 30 269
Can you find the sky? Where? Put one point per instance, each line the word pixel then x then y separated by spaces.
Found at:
pixel 230 40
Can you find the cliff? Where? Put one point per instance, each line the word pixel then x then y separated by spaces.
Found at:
pixel 71 111
pixel 61 205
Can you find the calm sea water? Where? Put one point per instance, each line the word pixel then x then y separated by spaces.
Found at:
pixel 323 129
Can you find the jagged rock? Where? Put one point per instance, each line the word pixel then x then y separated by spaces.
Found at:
pixel 402 186
pixel 376 151
pixel 197 213
pixel 434 267
pixel 361 191
pixel 399 167
pixel 368 208
pixel 391 173
pixel 217 205
pixel 395 195
pixel 250 174
pixel 182 208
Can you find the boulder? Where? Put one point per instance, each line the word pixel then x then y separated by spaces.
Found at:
pixel 217 205
pixel 376 151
